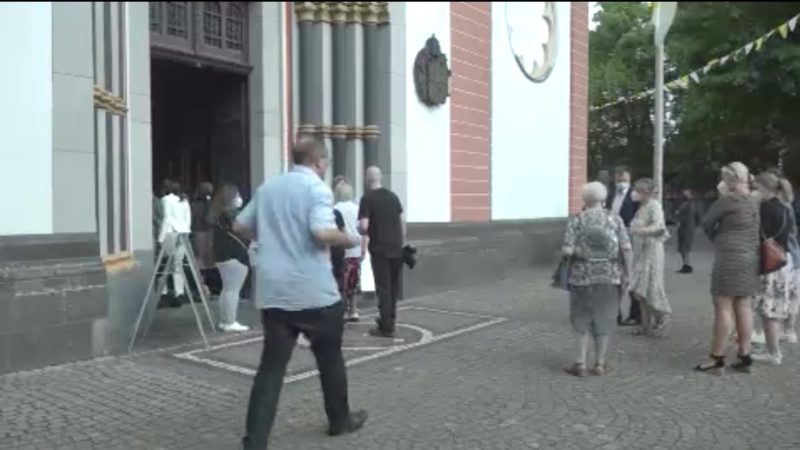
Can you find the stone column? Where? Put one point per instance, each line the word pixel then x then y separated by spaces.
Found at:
pixel 309 34
pixel 372 57
pixel 354 109
pixel 340 95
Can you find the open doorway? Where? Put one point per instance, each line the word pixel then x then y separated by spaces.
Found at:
pixel 200 125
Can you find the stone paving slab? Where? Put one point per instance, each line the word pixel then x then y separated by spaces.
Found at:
pixel 497 387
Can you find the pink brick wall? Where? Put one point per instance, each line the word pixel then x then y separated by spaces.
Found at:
pixel 579 102
pixel 470 111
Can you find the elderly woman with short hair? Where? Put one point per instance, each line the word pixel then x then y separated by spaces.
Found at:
pixel 599 253
pixel 648 233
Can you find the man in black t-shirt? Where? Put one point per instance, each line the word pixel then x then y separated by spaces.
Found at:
pixel 381 218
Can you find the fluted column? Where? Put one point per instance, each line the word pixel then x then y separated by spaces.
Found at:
pixel 340 95
pixel 372 51
pixel 354 109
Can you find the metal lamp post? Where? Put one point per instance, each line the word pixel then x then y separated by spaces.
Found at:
pixel 663 14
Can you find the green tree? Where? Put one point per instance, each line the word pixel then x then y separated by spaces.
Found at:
pixel 745 110
pixel 620 64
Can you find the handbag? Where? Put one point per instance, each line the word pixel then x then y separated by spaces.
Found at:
pixel 560 279
pixel 773 256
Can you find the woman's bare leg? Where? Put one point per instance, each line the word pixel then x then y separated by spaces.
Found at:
pixel 723 325
pixel 744 323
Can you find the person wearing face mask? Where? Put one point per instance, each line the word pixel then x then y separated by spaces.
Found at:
pixel 648 232
pixel 620 201
pixel 733 223
pixel 230 255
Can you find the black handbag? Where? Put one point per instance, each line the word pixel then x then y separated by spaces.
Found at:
pixel 560 279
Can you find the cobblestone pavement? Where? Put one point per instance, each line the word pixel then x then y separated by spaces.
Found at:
pixel 498 387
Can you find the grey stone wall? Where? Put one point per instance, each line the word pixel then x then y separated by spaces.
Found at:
pixel 457 255
pixel 53 300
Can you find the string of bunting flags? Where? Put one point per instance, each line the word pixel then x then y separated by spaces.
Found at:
pixel 683 82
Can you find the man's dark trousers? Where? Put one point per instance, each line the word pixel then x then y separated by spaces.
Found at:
pixel 387 272
pixel 323 328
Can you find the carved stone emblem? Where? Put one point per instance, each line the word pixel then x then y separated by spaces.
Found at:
pixel 431 74
pixel 533 36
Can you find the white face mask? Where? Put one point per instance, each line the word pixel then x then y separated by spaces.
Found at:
pixel 722 188
pixel 622 186
pixel 238 202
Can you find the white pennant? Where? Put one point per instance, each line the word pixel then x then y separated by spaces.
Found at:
pixel 793 22
pixel 724 60
pixel 695 77
pixel 748 48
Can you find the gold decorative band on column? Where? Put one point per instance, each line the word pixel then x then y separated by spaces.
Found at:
pixel 339 131
pixel 109 102
pixel 119 262
pixel 372 132
pixel 305 11
pixel 342 12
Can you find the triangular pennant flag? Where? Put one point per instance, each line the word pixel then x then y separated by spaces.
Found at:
pixel 711 64
pixel 695 77
pixel 748 48
pixel 759 43
pixel 738 54
pixel 684 81
pixel 793 22
pixel 784 30
pixel 724 60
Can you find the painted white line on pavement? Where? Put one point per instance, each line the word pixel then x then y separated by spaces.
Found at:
pixel 427 339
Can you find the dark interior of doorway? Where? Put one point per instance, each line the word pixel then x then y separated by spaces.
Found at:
pixel 199 123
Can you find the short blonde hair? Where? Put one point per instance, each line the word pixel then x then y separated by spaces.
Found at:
pixel 594 193
pixel 736 173
pixel 343 192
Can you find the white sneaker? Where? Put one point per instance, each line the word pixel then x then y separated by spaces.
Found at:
pixel 234 327
pixel 768 358
pixel 789 337
pixel 758 338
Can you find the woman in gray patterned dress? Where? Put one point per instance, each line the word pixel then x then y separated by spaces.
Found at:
pixel 597 246
pixel 648 233
pixel 733 223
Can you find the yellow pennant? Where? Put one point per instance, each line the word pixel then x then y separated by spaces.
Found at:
pixel 759 43
pixel 784 30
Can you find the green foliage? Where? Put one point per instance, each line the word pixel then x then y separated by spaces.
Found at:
pixel 743 111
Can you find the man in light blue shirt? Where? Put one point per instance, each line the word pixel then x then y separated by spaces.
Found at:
pixel 291 217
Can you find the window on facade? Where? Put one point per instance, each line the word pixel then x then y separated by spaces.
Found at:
pixel 234 27
pixel 155 17
pixel 177 19
pixel 212 24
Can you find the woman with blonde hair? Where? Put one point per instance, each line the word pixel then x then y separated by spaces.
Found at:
pixel 349 276
pixel 789 326
pixel 773 299
pixel 648 233
pixel 732 223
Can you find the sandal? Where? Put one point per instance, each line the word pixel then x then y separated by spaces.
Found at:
pixel 576 369
pixel 601 369
pixel 744 365
pixel 717 367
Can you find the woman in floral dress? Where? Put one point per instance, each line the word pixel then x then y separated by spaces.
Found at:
pixel 773 301
pixel 648 233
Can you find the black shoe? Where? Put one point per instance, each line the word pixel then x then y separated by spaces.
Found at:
pixel 377 332
pixel 686 269
pixel 630 322
pixel 744 365
pixel 715 367
pixel 354 423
